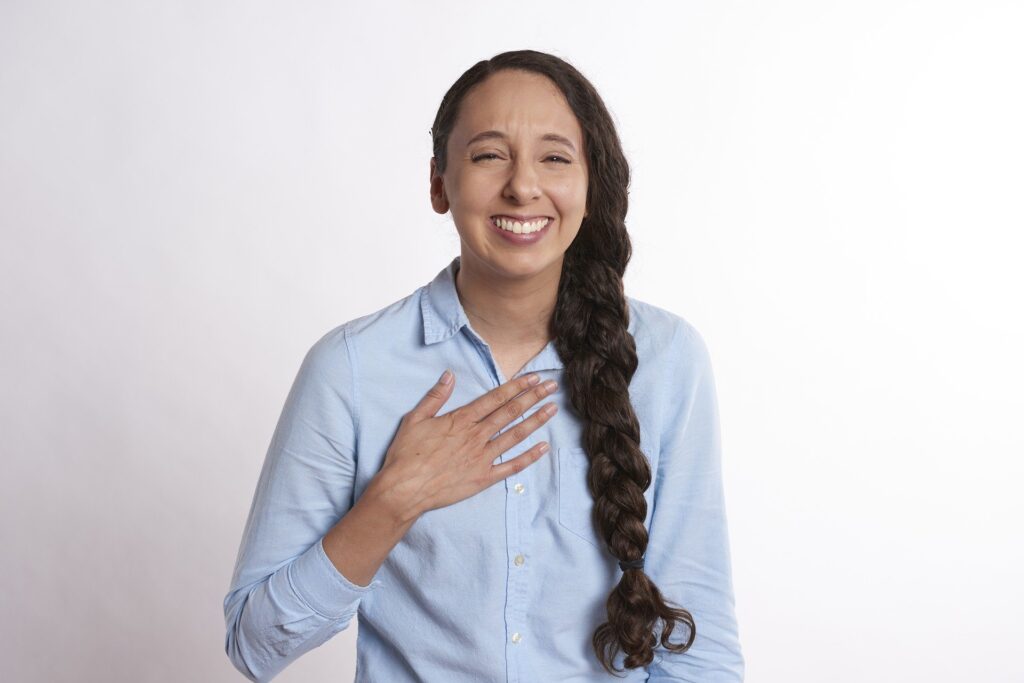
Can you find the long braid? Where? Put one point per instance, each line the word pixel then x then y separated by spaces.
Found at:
pixel 590 330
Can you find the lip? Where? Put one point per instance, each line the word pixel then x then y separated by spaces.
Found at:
pixel 521 239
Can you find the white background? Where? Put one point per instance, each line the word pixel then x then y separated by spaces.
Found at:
pixel 192 193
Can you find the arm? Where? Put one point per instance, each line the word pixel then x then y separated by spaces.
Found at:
pixel 288 592
pixel 689 544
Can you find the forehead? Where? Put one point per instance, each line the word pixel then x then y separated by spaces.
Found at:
pixel 517 103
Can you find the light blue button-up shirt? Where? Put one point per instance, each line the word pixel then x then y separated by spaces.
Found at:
pixel 507 585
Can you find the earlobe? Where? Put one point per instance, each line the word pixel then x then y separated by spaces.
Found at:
pixel 437 194
pixel 438 200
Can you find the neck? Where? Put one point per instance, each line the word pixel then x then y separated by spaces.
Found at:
pixel 508 312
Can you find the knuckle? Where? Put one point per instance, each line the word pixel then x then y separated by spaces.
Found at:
pixel 478 437
pixel 451 422
pixel 499 400
pixel 512 410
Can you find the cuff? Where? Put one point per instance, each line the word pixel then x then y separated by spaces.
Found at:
pixel 326 590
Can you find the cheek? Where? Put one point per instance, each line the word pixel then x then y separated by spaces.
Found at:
pixel 570 195
pixel 475 189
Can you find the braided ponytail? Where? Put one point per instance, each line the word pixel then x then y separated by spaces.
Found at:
pixel 589 326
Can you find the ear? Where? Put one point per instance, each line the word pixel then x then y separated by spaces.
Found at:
pixel 438 197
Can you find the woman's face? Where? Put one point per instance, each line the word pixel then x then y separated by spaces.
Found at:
pixel 515 153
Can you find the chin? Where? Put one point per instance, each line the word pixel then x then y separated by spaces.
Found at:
pixel 525 265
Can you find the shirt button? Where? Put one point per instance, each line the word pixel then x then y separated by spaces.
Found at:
pixel 519 560
pixel 516 637
pixel 520 488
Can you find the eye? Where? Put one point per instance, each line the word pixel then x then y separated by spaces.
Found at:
pixel 486 156
pixel 561 159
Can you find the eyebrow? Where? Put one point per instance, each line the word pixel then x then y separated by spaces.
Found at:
pixel 491 134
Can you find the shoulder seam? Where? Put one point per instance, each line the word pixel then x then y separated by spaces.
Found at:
pixel 352 361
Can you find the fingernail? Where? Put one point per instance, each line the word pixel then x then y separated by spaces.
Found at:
pixel 534 379
pixel 544 447
pixel 446 377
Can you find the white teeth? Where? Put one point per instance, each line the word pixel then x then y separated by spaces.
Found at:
pixel 521 228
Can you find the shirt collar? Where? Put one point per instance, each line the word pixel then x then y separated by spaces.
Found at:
pixel 443 317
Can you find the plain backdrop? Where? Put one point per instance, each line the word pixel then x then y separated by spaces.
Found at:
pixel 191 194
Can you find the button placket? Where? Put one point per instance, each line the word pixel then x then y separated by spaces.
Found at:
pixel 519 539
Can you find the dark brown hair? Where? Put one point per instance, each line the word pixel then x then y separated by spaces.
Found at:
pixel 589 328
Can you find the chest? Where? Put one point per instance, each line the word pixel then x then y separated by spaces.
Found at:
pixel 513 359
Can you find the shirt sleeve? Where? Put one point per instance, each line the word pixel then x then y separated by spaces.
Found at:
pixel 688 549
pixel 286 596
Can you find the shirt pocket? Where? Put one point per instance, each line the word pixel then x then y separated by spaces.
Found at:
pixel 575 504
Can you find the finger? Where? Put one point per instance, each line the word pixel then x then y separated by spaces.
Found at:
pixel 480 408
pixel 497 420
pixel 436 397
pixel 516 434
pixel 518 463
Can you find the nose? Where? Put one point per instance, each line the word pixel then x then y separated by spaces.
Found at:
pixel 523 182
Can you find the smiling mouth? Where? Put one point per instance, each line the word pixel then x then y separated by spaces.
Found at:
pixel 520 227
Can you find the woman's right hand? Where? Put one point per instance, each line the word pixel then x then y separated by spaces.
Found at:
pixel 436 460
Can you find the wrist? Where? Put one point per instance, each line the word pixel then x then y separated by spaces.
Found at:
pixel 392 501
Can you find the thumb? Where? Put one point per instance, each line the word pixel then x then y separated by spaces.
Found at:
pixel 436 397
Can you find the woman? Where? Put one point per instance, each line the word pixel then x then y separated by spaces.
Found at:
pixel 560 525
